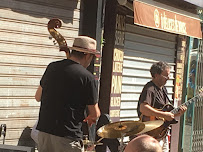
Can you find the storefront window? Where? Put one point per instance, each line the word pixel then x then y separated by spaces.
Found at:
pixel 191 85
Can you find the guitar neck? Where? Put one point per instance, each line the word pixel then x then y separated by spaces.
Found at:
pixel 187 103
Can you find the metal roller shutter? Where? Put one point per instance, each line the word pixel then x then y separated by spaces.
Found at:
pixel 143 47
pixel 25 52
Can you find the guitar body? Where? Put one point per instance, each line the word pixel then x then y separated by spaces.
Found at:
pixel 158 133
pixel 161 131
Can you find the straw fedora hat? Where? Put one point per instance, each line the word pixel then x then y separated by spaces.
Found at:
pixel 85 44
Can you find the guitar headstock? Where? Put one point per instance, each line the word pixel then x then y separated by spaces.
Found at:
pixel 201 92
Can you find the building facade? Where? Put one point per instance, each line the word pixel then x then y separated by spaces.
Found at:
pixel 27 48
pixel 137 34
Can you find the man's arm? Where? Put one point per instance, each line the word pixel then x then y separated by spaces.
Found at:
pixel 147 110
pixel 94 113
pixel 38 94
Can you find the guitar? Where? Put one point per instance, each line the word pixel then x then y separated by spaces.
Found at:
pixel 161 131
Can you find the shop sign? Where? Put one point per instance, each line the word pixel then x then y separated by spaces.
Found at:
pixel 158 18
pixel 116 85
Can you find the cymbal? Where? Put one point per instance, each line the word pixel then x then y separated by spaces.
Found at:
pixel 120 129
pixel 151 125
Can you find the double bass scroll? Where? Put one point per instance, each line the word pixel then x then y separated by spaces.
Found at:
pixel 56 23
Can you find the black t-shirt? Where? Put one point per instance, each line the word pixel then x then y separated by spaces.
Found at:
pixel 154 96
pixel 67 89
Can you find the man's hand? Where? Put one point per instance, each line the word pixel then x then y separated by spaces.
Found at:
pixel 90 120
pixel 94 113
pixel 168 116
pixel 181 110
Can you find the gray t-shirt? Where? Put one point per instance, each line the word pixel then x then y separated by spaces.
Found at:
pixel 154 96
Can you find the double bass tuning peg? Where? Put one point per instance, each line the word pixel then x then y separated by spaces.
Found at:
pixel 51 38
pixel 55 42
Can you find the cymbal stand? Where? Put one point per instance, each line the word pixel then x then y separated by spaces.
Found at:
pixel 91 135
pixel 3 131
pixel 122 147
pixel 100 140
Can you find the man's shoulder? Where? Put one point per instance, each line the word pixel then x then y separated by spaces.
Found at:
pixel 150 86
pixel 54 63
pixel 89 75
pixel 74 67
pixel 79 70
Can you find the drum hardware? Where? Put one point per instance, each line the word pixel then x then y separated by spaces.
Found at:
pixel 122 146
pixel 89 140
pixel 127 128
pixel 89 146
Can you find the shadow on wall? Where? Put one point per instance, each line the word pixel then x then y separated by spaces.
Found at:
pixel 62 9
pixel 22 16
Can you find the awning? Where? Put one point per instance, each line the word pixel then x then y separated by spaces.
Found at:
pixel 154 17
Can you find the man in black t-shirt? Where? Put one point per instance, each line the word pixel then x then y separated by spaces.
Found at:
pixel 154 96
pixel 66 88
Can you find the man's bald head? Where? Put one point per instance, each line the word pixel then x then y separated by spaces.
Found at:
pixel 143 143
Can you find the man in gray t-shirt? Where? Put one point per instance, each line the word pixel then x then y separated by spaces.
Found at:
pixel 154 97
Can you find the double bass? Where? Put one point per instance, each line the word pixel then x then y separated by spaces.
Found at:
pixel 56 23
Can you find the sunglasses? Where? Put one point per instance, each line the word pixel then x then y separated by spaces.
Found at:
pixel 166 77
